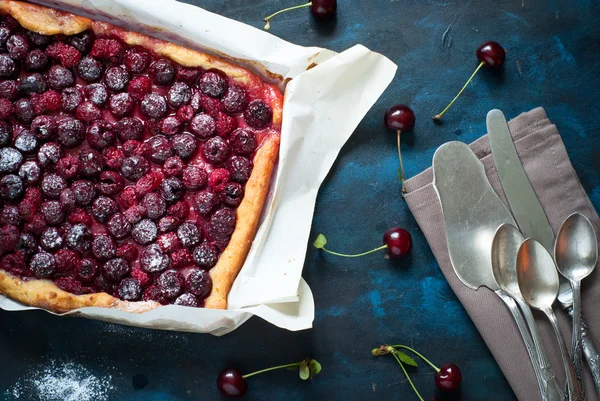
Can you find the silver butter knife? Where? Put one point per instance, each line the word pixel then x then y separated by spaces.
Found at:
pixel 533 223
pixel 472 213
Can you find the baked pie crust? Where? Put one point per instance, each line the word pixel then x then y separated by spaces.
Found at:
pixel 44 293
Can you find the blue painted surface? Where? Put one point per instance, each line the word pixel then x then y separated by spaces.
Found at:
pixel 553 60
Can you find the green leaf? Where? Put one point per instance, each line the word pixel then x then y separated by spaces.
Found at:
pixel 304 372
pixel 405 358
pixel 315 367
pixel 320 242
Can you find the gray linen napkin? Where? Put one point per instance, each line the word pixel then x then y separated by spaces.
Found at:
pixel 555 182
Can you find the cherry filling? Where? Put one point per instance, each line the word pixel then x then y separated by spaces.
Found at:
pixel 120 171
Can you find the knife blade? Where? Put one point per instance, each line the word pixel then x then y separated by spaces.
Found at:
pixel 523 201
pixel 532 221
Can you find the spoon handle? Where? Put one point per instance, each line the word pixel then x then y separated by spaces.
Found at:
pixel 575 390
pixel 553 390
pixel 522 326
pixel 576 355
pixel 592 356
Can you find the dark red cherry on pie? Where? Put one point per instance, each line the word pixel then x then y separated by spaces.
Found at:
pixel 120 170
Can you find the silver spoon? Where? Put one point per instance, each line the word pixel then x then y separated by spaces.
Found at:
pixel 576 254
pixel 538 282
pixel 505 247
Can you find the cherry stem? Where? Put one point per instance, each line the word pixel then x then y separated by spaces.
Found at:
pixel 355 255
pixel 439 116
pixel 417 354
pixel 407 376
pixel 289 365
pixel 266 19
pixel 401 169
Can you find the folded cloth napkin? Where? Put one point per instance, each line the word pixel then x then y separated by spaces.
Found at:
pixel 555 182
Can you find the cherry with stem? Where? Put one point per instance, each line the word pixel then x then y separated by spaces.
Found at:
pixel 489 54
pixel 399 118
pixel 319 8
pixel 447 378
pixel 231 383
pixel 396 241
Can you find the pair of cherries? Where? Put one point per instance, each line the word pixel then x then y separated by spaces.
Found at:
pixel 231 383
pixel 401 118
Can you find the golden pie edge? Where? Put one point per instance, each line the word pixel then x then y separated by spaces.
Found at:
pixel 44 293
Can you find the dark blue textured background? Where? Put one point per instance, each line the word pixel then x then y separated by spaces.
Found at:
pixel 553 61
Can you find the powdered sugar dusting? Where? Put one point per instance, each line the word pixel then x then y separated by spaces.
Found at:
pixel 62 381
pixel 138 307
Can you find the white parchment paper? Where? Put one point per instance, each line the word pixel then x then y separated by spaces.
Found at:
pixel 322 107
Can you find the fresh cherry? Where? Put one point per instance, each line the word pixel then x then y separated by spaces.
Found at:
pixel 231 383
pixel 319 8
pixel 490 54
pixel 448 377
pixel 323 8
pixel 400 117
pixel 396 241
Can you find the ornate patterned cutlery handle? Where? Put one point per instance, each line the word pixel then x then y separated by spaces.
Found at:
pixel 524 331
pixel 590 352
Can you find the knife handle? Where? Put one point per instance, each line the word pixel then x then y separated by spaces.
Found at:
pixel 592 357
pixel 529 345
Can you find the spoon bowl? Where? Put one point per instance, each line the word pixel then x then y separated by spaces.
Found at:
pixel 538 282
pixel 536 275
pixel 576 248
pixel 505 247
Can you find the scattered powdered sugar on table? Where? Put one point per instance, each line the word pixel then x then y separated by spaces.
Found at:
pixel 61 381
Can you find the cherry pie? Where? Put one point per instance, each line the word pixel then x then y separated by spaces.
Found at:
pixel 133 171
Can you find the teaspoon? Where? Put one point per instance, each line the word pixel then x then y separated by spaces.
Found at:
pixel 538 282
pixel 576 254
